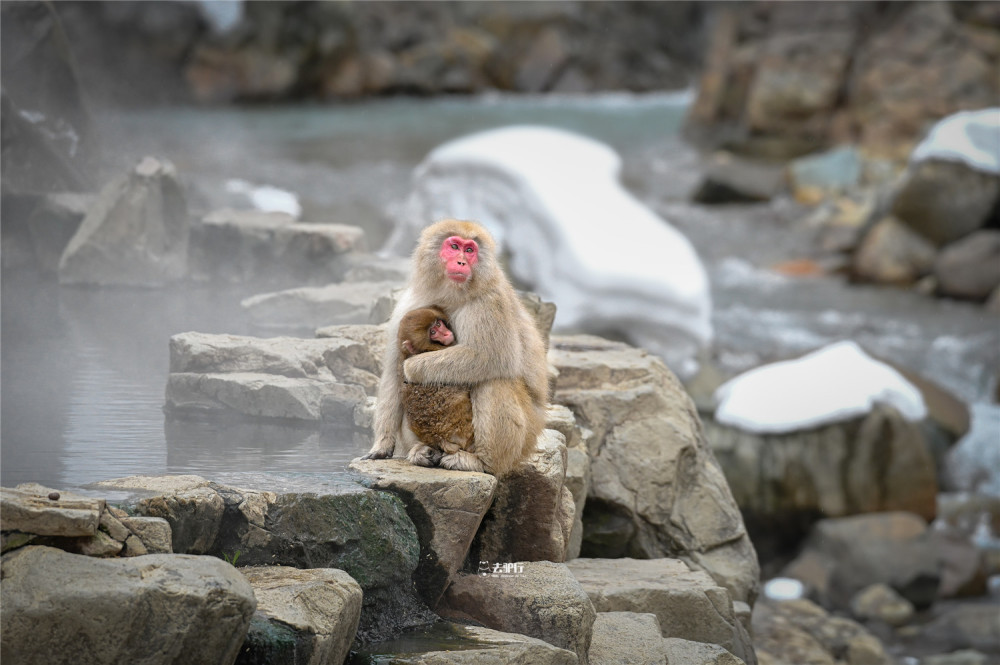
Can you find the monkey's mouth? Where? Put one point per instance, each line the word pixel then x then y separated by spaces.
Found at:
pixel 459 277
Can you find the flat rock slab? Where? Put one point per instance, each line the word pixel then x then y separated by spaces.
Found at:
pixel 156 609
pixel 536 598
pixel 321 605
pixel 27 508
pixel 685 652
pixel 688 603
pixel 445 506
pixel 627 638
pixel 316 306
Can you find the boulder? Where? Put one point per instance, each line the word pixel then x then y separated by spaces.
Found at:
pixel 881 602
pixel 537 598
pixel 626 638
pixel 799 632
pixel 321 606
pixel 892 253
pixel 835 171
pixel 445 506
pixel 315 306
pixel 685 651
pixel 688 603
pixel 53 223
pixel 532 513
pixel 845 555
pixel 31 508
pixel 656 488
pixel 135 233
pixel 963 626
pixel 729 179
pixel 271 247
pixel 364 532
pixel 160 608
pixel 970 268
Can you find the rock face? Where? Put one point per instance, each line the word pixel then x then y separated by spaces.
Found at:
pixel 687 603
pixel 364 532
pixel 783 482
pixel 539 598
pixel 161 608
pixel 135 234
pixel 314 307
pixel 446 507
pixel 789 78
pixel 321 605
pixel 626 638
pixel 656 489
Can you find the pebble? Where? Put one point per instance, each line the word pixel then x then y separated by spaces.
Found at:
pixel 54 496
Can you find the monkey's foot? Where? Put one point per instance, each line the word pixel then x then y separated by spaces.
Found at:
pixel 423 455
pixel 378 453
pixel 462 461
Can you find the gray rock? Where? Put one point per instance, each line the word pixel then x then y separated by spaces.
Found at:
pixel 54 223
pixel 969 268
pixel 960 657
pixel 153 532
pixel 161 608
pixel 538 598
pixel 254 246
pixel 688 603
pixel 321 605
pixel 316 306
pixel 578 476
pixel 446 507
pixel 135 234
pixel 974 625
pixel 837 170
pixel 945 200
pixel 893 253
pixel 627 638
pixel 28 509
pixel 880 601
pixel 656 487
pixel 686 652
pixel 532 513
pixel 734 180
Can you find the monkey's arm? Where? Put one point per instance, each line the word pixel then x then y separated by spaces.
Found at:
pixel 388 407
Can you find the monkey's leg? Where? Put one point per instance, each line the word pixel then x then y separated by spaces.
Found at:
pixel 503 418
pixel 422 455
pixel 462 461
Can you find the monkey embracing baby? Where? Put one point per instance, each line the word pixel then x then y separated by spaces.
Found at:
pixel 497 356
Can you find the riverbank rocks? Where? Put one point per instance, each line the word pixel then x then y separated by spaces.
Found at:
pixel 626 638
pixel 794 632
pixel 687 603
pixel 656 489
pixel 320 607
pixel 271 247
pixel 134 234
pixel 536 598
pixel 844 556
pixel 316 306
pixel 363 532
pixel 160 608
pixel 969 268
pixel 445 506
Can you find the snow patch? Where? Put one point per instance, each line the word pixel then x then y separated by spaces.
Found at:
pixel 835 383
pixel 971 137
pixel 266 198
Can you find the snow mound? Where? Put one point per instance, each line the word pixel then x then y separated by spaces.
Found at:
pixel 835 383
pixel 571 233
pixel 971 137
pixel 266 198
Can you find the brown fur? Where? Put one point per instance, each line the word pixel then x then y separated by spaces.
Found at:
pixel 500 356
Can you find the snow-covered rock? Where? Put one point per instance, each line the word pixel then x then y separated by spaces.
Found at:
pixel 835 383
pixel 970 137
pixel 266 198
pixel 571 232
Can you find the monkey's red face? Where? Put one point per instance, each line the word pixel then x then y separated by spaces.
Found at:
pixel 440 333
pixel 459 255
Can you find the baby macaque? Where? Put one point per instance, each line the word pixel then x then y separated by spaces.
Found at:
pixel 440 416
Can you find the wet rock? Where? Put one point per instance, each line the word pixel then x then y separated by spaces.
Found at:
pixel 445 506
pixel 688 603
pixel 271 247
pixel 881 602
pixel 313 307
pixel 733 180
pixel 802 633
pixel 320 605
pixel 161 608
pixel 656 488
pixel 626 638
pixel 893 253
pixel 970 268
pixel 53 223
pixel 532 513
pixel 537 598
pixel 843 556
pixel 927 201
pixel 28 509
pixel 135 233
pixel 686 651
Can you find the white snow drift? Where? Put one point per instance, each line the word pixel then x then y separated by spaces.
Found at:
pixel 971 137
pixel 572 234
pixel 835 383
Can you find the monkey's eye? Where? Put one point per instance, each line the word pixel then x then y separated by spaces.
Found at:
pixel 468 250
pixel 454 245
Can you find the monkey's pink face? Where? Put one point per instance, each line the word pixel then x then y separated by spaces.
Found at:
pixel 459 255
pixel 440 333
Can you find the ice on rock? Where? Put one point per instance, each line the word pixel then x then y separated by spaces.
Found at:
pixel 971 137
pixel 571 233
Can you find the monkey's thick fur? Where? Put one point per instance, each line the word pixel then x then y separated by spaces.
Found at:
pixel 437 415
pixel 499 355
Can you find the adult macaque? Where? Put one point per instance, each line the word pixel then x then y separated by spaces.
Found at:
pixel 499 354
pixel 439 416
